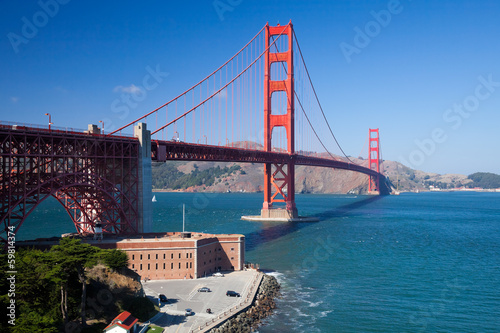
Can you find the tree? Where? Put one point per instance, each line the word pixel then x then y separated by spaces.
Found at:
pixel 48 284
pixel 71 255
pixel 36 296
pixel 114 259
pixel 485 180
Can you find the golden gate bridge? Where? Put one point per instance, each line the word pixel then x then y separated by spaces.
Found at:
pixel 260 106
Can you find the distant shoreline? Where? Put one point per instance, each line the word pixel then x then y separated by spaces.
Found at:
pixel 497 190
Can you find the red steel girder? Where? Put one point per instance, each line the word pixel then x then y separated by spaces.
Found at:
pixel 94 177
pixel 169 150
pixel 272 120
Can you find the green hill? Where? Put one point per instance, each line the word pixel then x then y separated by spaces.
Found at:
pixel 484 180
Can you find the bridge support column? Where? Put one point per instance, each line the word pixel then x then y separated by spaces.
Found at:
pixel 145 223
pixel 374 160
pixel 279 179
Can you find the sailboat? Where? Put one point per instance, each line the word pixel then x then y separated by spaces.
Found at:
pixel 154 198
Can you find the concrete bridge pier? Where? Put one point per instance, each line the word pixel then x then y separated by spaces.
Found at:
pixel 145 205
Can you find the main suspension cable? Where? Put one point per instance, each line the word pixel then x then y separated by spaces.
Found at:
pixel 206 78
pixel 317 99
pixel 217 92
pixel 303 109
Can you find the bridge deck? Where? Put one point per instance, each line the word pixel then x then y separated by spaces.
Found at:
pixel 171 150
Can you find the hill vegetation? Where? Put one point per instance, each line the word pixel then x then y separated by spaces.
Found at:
pixel 484 180
pixel 66 287
pixel 167 176
pixel 248 177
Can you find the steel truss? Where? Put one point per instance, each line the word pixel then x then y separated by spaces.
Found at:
pixel 94 177
pixel 169 150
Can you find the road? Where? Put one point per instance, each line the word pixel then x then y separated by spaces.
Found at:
pixel 183 294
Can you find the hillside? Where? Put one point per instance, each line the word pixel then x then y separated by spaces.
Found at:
pixel 247 177
pixel 52 284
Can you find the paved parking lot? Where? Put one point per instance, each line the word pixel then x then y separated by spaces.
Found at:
pixel 183 294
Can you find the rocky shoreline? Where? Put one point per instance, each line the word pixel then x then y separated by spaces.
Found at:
pixel 261 308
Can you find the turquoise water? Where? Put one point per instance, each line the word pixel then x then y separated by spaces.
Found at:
pixel 427 262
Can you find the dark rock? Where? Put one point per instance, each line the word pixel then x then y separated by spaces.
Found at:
pixel 262 307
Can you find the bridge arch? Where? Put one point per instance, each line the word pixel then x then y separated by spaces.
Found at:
pixel 95 180
pixel 88 199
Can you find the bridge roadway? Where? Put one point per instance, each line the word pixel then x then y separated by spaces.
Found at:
pixel 76 164
pixel 170 150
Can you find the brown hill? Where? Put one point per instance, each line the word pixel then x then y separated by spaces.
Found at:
pixel 249 178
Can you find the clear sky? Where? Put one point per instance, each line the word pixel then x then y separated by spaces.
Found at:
pixel 427 73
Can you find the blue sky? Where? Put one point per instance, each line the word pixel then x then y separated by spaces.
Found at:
pixel 428 76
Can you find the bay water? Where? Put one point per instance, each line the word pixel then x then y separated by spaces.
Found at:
pixel 427 262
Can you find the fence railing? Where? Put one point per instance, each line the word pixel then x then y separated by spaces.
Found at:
pixel 52 129
pixel 234 309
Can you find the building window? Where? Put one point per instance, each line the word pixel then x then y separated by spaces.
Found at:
pixel 149 256
pixel 171 256
pixel 232 249
pixel 187 255
pixel 149 267
pixel 232 258
pixel 163 266
pixel 179 255
pixel 164 256
pixel 187 265
pixel 172 266
pixel 132 266
pixel 133 257
pixel 156 266
pixel 179 265
pixel 156 256
pixel 190 265
pixel 140 267
pixel 191 255
pixel 141 256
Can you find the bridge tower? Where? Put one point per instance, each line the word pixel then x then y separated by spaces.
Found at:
pixel 374 160
pixel 279 179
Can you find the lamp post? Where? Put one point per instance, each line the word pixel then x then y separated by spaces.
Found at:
pixel 102 122
pixel 50 120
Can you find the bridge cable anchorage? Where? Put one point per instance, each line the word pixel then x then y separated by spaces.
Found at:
pixel 303 109
pixel 199 83
pixel 211 96
pixel 317 99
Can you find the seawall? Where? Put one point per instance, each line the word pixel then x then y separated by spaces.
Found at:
pixel 262 307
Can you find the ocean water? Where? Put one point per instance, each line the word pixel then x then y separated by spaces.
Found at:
pixel 427 262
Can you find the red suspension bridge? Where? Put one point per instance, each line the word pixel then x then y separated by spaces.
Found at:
pixel 260 107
